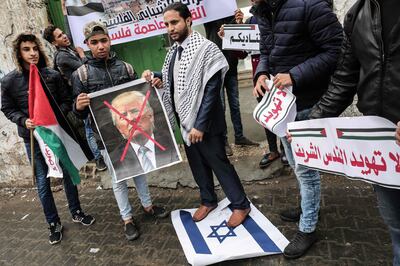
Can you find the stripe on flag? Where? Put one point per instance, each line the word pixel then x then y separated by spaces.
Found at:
pixel 366 133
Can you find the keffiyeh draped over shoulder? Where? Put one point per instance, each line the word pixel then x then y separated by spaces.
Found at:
pixel 200 60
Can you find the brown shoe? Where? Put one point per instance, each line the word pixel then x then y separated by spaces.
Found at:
pixel 237 217
pixel 202 212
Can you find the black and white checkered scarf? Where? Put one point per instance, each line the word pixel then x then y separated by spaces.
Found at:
pixel 200 60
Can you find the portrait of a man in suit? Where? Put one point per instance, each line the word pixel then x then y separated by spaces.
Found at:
pixel 150 147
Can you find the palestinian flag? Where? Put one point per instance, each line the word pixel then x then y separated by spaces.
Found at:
pixel 366 133
pixel 52 129
pixel 308 132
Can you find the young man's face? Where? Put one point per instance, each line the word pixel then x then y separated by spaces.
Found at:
pixel 131 111
pixel 29 53
pixel 60 38
pixel 177 27
pixel 99 45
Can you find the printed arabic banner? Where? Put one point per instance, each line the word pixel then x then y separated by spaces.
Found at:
pixel 134 129
pixel 276 109
pixel 362 148
pixel 129 20
pixel 241 37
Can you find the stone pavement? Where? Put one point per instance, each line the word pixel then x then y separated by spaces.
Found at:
pixel 351 231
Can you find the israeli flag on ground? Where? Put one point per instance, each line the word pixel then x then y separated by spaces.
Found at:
pixel 211 240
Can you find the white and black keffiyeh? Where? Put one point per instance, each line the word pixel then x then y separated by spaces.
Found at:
pixel 200 60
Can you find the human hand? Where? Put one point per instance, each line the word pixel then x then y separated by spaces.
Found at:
pixel 289 136
pixel 221 32
pixel 195 136
pixel 398 133
pixel 261 86
pixel 80 52
pixel 29 124
pixel 149 77
pixel 82 101
pixel 239 16
pixel 282 81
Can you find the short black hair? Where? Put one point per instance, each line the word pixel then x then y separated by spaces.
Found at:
pixel 182 9
pixel 48 33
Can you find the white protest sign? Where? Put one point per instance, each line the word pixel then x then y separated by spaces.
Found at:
pixel 276 109
pixel 132 20
pixel 360 148
pixel 241 37
pixel 211 240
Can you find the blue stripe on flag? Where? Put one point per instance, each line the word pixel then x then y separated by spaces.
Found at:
pixel 198 242
pixel 259 235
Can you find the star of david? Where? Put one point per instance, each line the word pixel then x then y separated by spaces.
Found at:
pixel 221 237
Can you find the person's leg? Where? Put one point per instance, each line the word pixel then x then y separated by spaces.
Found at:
pixel 121 196
pixel 389 208
pixel 43 184
pixel 142 190
pixel 232 91
pixel 71 192
pixel 212 150
pixel 202 175
pixel 92 140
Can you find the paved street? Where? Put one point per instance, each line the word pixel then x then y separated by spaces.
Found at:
pixel 351 231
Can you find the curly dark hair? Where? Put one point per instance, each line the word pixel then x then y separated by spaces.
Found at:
pixel 28 37
pixel 48 33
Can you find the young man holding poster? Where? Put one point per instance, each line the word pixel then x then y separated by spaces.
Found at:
pixel 104 70
pixel 14 104
pixel 192 77
pixel 369 66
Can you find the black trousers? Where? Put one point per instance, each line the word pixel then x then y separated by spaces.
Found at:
pixel 207 157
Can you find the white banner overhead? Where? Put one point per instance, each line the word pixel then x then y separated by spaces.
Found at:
pixel 211 240
pixel 241 37
pixel 362 148
pixel 276 109
pixel 129 20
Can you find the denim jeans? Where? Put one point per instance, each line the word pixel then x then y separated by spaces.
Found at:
pixel 91 139
pixel 44 189
pixel 309 183
pixel 232 91
pixel 121 195
pixel 389 207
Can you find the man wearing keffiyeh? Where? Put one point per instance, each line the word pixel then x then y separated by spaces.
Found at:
pixel 192 76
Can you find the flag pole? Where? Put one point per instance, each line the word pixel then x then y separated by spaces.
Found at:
pixel 33 157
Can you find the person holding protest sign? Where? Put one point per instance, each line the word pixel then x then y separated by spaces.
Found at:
pixel 192 77
pixel 104 70
pixel 299 44
pixel 369 66
pixel 66 60
pixel 27 50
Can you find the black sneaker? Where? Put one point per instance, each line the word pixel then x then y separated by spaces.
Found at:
pixel 245 142
pixel 228 150
pixel 291 215
pixel 80 217
pixel 299 245
pixel 131 231
pixel 100 164
pixel 157 212
pixel 55 234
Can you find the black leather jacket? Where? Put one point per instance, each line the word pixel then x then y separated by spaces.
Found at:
pixel 101 74
pixel 364 68
pixel 14 96
pixel 66 61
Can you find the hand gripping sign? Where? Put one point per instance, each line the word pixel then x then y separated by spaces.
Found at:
pixel 276 109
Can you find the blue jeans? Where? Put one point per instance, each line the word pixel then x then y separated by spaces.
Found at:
pixel 44 189
pixel 232 91
pixel 121 195
pixel 309 183
pixel 91 139
pixel 389 207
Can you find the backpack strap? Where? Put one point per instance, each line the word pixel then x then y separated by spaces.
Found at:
pixel 131 71
pixel 83 74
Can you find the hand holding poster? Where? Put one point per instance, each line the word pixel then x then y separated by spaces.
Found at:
pixel 276 109
pixel 241 37
pixel 134 129
pixel 361 148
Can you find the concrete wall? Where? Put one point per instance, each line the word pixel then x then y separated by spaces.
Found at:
pixel 15 16
pixel 20 15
